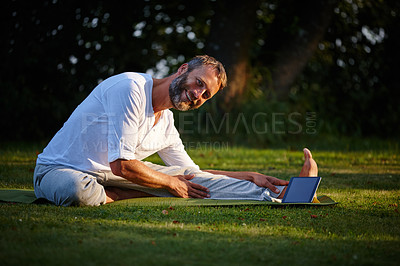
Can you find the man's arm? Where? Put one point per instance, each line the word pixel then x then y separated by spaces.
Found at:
pixel 257 178
pixel 138 173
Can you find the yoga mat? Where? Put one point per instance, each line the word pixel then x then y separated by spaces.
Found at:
pixel 28 196
pixel 17 195
pixel 155 201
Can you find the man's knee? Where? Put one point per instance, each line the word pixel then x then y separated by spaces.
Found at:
pixel 81 192
pixel 67 187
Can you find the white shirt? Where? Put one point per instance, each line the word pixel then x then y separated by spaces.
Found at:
pixel 116 122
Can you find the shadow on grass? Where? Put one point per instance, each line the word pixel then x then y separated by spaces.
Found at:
pixel 135 236
pixel 376 182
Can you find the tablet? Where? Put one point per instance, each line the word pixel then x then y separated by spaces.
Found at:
pixel 301 189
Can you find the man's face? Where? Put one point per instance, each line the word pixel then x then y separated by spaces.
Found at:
pixel 190 90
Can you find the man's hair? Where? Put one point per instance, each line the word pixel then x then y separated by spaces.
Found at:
pixel 205 60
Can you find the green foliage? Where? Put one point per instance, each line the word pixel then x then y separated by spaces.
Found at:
pixel 362 229
pixel 356 93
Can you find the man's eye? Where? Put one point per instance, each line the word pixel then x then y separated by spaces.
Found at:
pixel 199 82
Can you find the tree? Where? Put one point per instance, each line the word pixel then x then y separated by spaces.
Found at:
pixel 230 39
pixel 295 32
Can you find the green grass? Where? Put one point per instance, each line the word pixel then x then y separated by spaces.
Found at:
pixel 364 228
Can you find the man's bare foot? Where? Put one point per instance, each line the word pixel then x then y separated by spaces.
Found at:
pixel 310 167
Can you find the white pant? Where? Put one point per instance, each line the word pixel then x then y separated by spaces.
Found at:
pixel 66 186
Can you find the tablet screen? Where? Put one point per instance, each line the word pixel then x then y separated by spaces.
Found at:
pixel 301 189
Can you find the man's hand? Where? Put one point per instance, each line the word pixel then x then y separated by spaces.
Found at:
pixel 268 181
pixel 184 188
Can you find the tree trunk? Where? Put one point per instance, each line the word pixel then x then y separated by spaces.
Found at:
pixel 229 41
pixel 294 36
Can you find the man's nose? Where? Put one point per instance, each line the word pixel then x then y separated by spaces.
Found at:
pixel 197 92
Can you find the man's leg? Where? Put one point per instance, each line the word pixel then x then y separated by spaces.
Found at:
pixel 65 186
pixel 220 186
pixel 229 188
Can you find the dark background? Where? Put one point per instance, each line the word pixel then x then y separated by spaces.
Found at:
pixel 333 61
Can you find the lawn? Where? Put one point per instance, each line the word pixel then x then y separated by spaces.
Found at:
pixel 364 228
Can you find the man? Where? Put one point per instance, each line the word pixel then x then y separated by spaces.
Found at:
pixel 96 157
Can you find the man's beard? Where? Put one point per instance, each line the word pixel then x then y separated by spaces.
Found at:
pixel 177 86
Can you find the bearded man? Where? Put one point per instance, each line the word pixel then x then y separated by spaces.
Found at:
pixel 97 156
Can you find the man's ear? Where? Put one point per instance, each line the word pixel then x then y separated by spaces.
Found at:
pixel 182 69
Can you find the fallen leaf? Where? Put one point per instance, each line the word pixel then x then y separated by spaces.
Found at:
pixel 313 216
pixel 175 222
pixel 284 217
